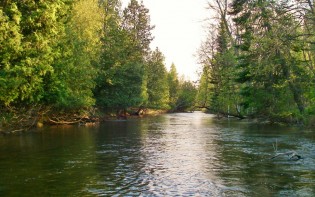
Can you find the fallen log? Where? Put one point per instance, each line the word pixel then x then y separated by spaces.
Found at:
pixel 64 122
pixel 291 154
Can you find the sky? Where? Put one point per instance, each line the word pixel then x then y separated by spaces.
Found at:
pixel 179 31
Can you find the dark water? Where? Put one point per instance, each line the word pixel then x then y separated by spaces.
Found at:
pixel 169 155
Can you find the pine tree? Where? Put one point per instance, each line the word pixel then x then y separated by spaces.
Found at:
pixel 173 84
pixel 268 68
pixel 136 21
pixel 73 80
pixel 125 45
pixel 26 60
pixel 157 86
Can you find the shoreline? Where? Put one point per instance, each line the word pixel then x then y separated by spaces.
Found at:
pixel 68 119
pixel 103 116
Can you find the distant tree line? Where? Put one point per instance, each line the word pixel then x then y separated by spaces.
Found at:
pixel 66 56
pixel 259 60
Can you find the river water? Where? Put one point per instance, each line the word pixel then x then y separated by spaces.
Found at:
pixel 185 154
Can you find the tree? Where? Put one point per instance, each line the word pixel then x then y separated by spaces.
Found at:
pixel 125 44
pixel 73 80
pixel 203 99
pixel 11 48
pixel 126 87
pixel 218 90
pixel 32 31
pixel 186 97
pixel 267 67
pixel 173 84
pixel 223 66
pixel 157 86
pixel 136 21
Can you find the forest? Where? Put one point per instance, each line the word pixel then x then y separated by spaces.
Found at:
pixel 259 59
pixel 70 61
pixel 66 61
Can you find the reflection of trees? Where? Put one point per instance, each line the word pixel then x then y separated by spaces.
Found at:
pixel 56 162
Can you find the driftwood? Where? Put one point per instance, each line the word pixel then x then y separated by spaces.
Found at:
pixel 291 154
pixel 68 121
pixel 64 122
pixel 22 119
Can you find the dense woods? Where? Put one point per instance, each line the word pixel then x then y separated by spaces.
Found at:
pixel 258 60
pixel 61 60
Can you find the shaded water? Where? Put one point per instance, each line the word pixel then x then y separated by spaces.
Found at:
pixel 169 155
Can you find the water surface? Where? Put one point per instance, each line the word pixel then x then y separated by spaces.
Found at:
pixel 186 154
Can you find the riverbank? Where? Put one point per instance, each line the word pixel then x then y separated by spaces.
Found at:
pixel 16 122
pixel 306 122
pixel 22 120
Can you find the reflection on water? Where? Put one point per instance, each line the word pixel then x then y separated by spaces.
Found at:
pixel 169 155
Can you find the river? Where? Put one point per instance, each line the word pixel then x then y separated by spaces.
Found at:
pixel 184 154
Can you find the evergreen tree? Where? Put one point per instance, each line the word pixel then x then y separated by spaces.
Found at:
pixel 186 97
pixel 173 84
pixel 205 88
pixel 126 44
pixel 10 52
pixel 29 35
pixel 223 66
pixel 218 79
pixel 73 80
pixel 157 86
pixel 136 21
pixel 267 68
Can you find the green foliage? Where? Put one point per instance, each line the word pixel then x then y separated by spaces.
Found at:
pixel 136 21
pixel 204 90
pixel 73 55
pixel 49 51
pixel 269 62
pixel 123 80
pixel 157 85
pixel 32 31
pixel 72 81
pixel 218 89
pixel 173 84
pixel 10 42
pixel 186 97
pixel 125 89
pixel 266 68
